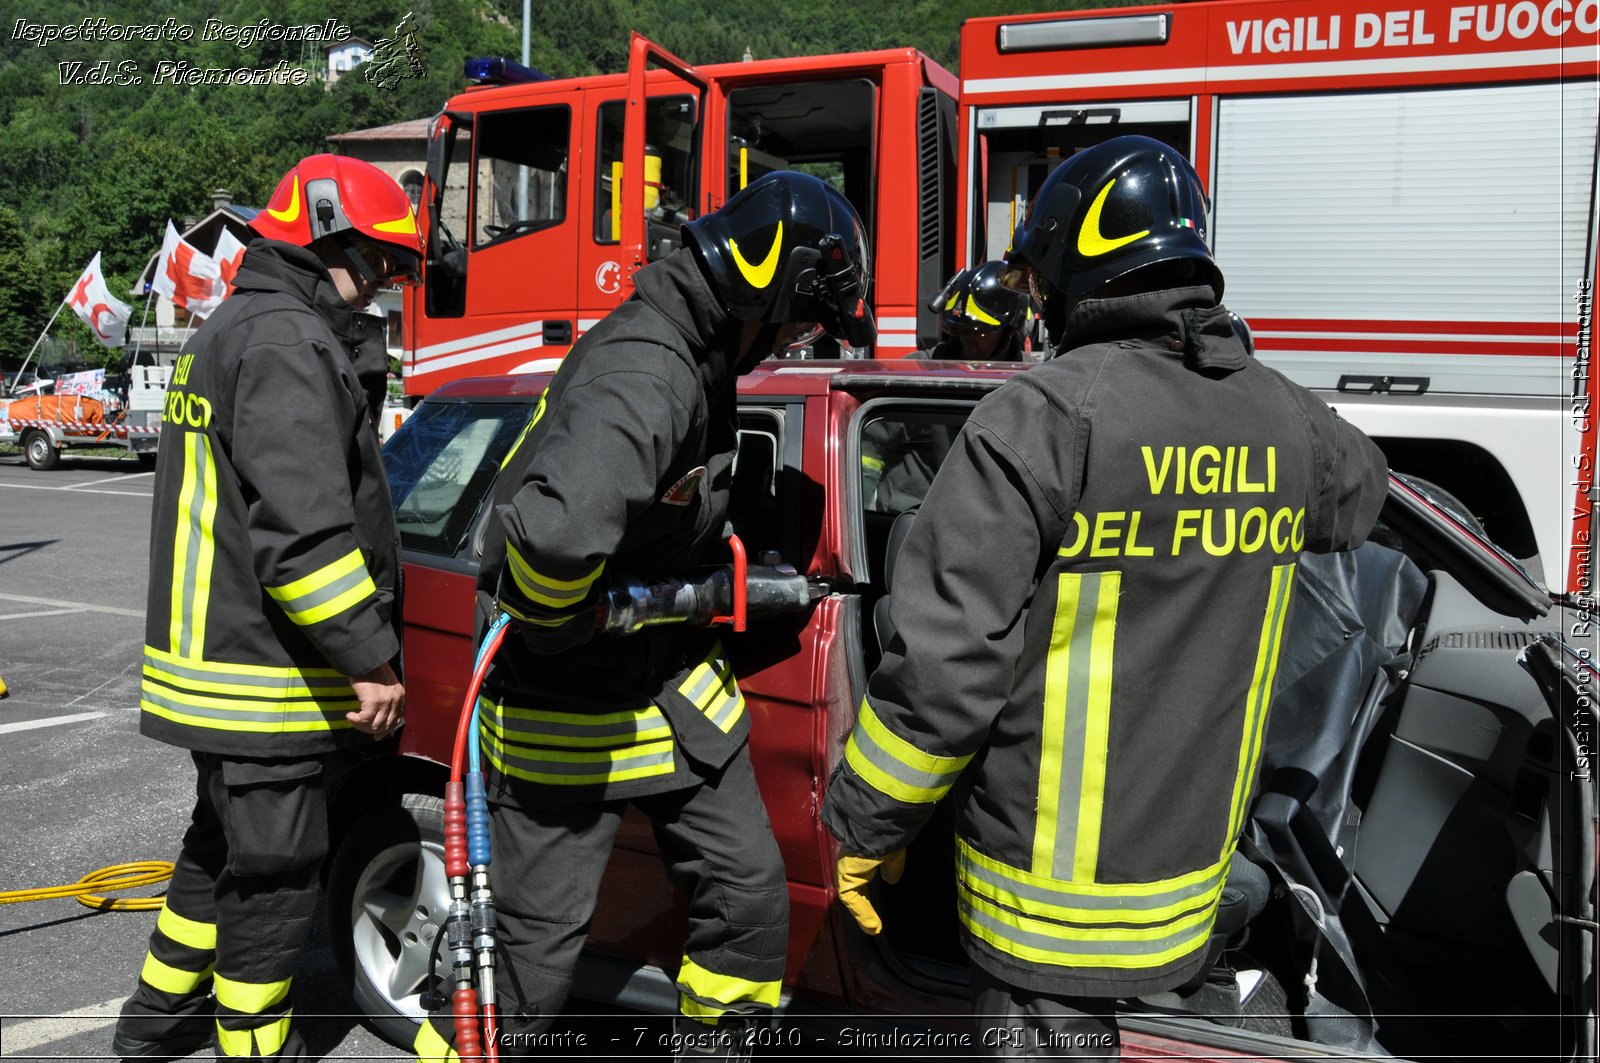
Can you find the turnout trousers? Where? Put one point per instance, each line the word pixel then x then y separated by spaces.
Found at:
pixel 548 860
pixel 1015 1023
pixel 237 912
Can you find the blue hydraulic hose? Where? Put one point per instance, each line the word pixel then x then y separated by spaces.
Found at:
pixel 478 849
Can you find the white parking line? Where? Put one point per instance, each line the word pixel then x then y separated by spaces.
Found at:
pixel 68 487
pixel 84 607
pixel 42 612
pixel 109 480
pixel 20 1037
pixel 53 721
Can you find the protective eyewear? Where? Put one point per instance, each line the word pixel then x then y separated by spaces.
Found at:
pixel 391 265
pixel 808 334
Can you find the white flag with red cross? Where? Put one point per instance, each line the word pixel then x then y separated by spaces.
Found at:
pixel 190 278
pixel 229 253
pixel 103 312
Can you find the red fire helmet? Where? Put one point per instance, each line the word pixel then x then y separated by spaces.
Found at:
pixel 327 194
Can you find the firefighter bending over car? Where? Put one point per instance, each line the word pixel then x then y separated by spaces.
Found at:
pixel 272 627
pixel 981 319
pixel 1089 608
pixel 625 469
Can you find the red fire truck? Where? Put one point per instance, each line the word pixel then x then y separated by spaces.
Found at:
pixel 1404 204
pixel 545 197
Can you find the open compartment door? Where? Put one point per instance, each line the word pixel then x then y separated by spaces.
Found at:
pixel 637 183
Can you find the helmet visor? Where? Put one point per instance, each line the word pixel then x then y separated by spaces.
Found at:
pixel 390 263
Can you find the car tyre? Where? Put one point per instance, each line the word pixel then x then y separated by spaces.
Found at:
pixel 388 896
pixel 39 451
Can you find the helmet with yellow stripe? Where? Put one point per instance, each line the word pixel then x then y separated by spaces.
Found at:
pixel 976 300
pixel 789 248
pixel 1123 205
pixel 349 202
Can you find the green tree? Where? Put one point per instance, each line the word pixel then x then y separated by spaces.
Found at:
pixel 24 292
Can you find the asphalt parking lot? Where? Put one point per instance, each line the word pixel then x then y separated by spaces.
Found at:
pixel 81 789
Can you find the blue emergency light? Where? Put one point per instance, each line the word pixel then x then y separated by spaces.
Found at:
pixel 499 71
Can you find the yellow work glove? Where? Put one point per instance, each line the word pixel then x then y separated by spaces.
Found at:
pixel 853 874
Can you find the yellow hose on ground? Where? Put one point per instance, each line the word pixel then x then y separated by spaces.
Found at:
pixel 115 877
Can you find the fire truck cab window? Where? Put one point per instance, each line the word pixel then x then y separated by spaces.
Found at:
pixel 824 128
pixel 669 172
pixel 1025 143
pixel 521 179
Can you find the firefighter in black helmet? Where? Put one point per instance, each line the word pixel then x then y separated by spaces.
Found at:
pixel 625 468
pixel 982 320
pixel 1089 609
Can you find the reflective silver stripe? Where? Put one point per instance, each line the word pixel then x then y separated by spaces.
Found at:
pixel 204 671
pixel 886 762
pixel 310 600
pixel 565 731
pixel 725 710
pixel 198 452
pixel 249 712
pixel 585 767
pixel 712 689
pixel 1086 945
pixel 1073 738
pixel 1130 903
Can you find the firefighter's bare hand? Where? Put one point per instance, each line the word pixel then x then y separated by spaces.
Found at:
pixel 853 874
pixel 383 702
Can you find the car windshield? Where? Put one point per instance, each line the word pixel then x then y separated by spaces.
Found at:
pixel 441 463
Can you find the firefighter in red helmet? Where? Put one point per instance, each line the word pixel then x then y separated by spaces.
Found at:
pixel 272 626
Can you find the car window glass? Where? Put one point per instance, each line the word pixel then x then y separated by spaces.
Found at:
pixel 900 452
pixel 521 182
pixel 441 462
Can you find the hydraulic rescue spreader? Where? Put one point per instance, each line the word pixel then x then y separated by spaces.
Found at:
pixel 728 594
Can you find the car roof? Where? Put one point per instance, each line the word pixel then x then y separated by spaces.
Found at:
pixel 782 377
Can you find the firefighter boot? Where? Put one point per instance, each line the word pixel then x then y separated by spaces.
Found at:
pixel 163 1037
pixel 731 1040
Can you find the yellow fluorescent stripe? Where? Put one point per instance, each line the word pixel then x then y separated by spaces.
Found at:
pixel 883 782
pixel 875 464
pixel 580 719
pixel 1163 915
pixel 204 701
pixel 233 1042
pixel 1088 889
pixel 251 998
pixel 690 1008
pixel 1057 679
pixel 288 690
pixel 1092 792
pixel 208 544
pixel 319 579
pixel 902 750
pixel 270 1038
pixel 1260 692
pixel 506 607
pixel 429 1047
pixel 202 937
pixel 977 312
pixel 169 979
pixel 1196 912
pixel 255 726
pixel 1064 958
pixel 335 605
pixel 724 988
pixel 224 668
pixel 644 771
pixel 538 412
pixel 581 583
pixel 180 546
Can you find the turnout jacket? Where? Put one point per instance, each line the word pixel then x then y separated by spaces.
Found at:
pixel 1089 609
pixel 274 561
pixel 624 470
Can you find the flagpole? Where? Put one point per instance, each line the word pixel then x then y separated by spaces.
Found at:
pixel 36 343
pixel 149 294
